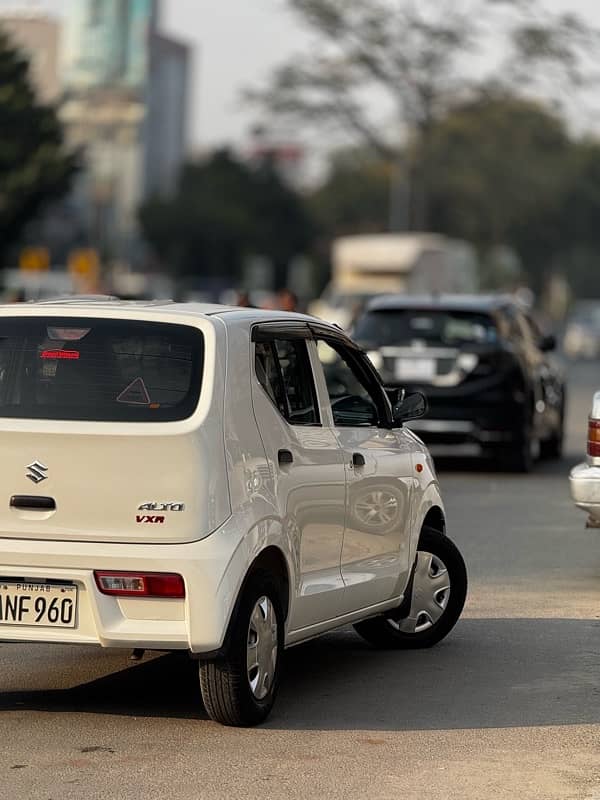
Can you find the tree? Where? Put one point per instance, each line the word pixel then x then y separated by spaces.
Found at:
pixel 502 165
pixel 509 177
pixel 223 212
pixel 419 62
pixel 35 170
pixel 354 197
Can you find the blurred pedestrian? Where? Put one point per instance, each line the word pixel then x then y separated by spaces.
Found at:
pixel 243 300
pixel 287 300
pixel 16 296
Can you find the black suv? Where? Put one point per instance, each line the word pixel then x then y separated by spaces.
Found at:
pixel 484 365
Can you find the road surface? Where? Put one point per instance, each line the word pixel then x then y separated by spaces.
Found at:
pixel 507 707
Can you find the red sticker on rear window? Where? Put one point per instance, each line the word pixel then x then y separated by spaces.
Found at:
pixel 70 355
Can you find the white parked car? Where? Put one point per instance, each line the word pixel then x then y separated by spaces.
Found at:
pixel 585 477
pixel 223 481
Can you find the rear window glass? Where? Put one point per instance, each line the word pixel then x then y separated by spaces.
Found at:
pixel 99 369
pixel 435 327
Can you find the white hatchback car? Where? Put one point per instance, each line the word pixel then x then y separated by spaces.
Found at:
pixel 224 481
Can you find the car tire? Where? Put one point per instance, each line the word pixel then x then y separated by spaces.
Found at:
pixel 521 455
pixel 553 447
pixel 437 594
pixel 234 690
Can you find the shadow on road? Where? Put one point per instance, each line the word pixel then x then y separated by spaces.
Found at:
pixel 488 673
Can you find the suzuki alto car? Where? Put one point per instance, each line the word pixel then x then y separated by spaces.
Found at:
pixel 227 482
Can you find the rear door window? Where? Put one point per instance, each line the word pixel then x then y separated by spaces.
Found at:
pixel 99 369
pixel 283 369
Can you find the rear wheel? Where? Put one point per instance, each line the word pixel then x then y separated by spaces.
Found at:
pixel 521 455
pixel 437 595
pixel 553 447
pixel 240 688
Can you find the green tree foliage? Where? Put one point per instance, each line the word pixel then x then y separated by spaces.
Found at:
pixel 502 166
pixel 388 70
pixel 505 172
pixel 354 198
pixel 224 211
pixel 35 170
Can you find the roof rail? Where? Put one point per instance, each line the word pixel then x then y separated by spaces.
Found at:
pixel 77 298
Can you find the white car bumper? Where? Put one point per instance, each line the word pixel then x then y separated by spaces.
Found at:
pixel 197 622
pixel 585 490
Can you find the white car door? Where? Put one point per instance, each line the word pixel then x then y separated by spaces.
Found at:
pixel 379 476
pixel 308 469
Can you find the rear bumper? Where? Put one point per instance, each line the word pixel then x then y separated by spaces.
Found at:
pixel 585 490
pixel 197 623
pixel 483 427
pixel 486 414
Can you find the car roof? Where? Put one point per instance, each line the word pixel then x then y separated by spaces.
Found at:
pixel 444 302
pixel 104 303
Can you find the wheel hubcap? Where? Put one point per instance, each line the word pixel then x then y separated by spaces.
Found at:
pixel 430 595
pixel 261 651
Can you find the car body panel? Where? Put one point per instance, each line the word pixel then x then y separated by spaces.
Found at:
pixel 584 478
pixel 376 548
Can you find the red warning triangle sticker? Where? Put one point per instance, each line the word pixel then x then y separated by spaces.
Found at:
pixel 136 394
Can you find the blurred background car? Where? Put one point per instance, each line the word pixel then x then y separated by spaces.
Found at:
pixel 585 477
pixel 582 332
pixel 484 365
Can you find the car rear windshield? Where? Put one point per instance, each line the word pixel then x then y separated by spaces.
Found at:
pixel 98 369
pixel 434 327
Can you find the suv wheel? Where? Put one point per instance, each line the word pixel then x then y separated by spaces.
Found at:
pixel 437 594
pixel 240 688
pixel 553 447
pixel 521 455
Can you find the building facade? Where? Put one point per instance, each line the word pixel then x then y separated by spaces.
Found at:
pixel 124 105
pixel 38 36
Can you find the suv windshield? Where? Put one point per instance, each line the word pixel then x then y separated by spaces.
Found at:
pixel 436 327
pixel 98 369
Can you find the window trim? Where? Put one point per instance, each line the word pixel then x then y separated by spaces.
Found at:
pixel 269 331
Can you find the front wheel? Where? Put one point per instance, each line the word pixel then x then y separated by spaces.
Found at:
pixel 240 688
pixel 437 596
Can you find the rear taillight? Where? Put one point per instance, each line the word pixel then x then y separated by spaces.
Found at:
pixel 140 584
pixel 594 438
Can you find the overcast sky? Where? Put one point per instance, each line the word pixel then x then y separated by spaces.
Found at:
pixel 236 43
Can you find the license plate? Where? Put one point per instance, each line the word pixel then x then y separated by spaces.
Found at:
pixel 415 369
pixel 41 605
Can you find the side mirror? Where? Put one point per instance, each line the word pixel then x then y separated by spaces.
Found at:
pixel 395 394
pixel 413 406
pixel 548 343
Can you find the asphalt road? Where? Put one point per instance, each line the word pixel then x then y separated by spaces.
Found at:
pixel 508 706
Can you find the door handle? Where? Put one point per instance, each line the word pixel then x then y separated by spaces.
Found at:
pixel 27 502
pixel 358 460
pixel 285 458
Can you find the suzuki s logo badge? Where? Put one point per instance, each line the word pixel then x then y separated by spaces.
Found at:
pixel 37 472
